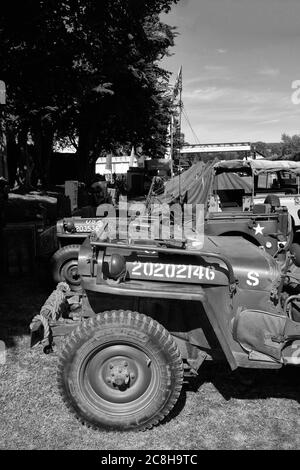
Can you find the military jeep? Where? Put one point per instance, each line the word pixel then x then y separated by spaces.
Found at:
pixel 234 208
pixel 151 314
pixel 70 233
pixel 266 227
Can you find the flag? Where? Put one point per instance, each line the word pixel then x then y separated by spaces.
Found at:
pixel 178 83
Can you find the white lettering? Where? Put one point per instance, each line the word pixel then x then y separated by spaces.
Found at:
pixel 253 279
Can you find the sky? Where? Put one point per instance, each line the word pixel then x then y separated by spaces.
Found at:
pixel 239 59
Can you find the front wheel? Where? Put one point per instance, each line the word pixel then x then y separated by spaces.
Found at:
pixel 120 370
pixel 64 264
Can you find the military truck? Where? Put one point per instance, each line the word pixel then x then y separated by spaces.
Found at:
pixel 151 314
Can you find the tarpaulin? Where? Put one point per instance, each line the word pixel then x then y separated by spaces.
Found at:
pixel 257 166
pixel 262 166
pixel 195 184
pixel 179 185
pixel 199 191
pixel 233 181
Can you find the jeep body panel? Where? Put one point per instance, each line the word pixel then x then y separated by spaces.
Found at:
pixel 210 304
pixel 75 229
pixel 291 202
pixel 268 230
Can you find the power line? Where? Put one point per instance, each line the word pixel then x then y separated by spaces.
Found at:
pixel 189 123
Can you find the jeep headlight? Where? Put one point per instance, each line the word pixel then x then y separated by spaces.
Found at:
pixel 69 227
pixel 116 266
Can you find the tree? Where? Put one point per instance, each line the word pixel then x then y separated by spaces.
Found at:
pixel 290 144
pixel 86 70
pixel 261 147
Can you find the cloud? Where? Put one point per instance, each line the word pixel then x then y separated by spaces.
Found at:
pixel 209 75
pixel 239 97
pixel 222 51
pixel 270 121
pixel 269 72
pixel 238 112
pixel 205 94
pixel 215 68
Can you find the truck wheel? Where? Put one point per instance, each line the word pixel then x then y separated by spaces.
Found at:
pixel 120 370
pixel 65 266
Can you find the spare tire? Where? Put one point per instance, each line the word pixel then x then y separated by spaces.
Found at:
pixel 273 200
pixel 65 266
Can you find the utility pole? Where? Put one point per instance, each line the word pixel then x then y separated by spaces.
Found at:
pixel 172 145
pixel 180 119
pixel 3 142
pixel 175 104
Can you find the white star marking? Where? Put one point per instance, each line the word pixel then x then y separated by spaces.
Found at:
pixel 258 229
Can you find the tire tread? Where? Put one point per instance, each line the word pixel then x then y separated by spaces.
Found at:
pixel 134 319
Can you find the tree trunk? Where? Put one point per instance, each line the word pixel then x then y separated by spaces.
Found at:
pixel 85 151
pixel 43 136
pixel 13 158
pixel 47 151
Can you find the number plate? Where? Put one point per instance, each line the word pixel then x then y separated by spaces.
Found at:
pixel 88 225
pixel 170 272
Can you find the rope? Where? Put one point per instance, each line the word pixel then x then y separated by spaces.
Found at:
pixel 51 310
pixel 52 306
pixel 45 324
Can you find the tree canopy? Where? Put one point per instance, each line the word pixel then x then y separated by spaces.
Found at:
pixel 288 148
pixel 85 71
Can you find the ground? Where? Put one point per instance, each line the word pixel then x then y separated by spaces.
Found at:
pixel 216 411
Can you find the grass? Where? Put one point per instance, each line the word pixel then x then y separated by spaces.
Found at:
pixel 216 411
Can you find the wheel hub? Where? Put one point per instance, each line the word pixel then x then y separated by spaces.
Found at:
pixel 70 272
pixel 73 273
pixel 119 374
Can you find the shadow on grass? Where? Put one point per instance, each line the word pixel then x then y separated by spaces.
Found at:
pixel 242 384
pixel 247 384
pixel 21 298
